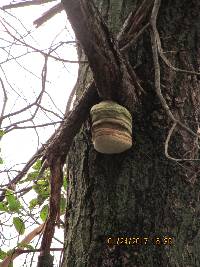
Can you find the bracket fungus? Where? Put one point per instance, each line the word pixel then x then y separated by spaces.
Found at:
pixel 111 127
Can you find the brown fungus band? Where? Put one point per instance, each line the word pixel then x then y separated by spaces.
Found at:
pixel 111 128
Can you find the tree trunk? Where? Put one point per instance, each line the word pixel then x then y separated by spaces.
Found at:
pixel 114 199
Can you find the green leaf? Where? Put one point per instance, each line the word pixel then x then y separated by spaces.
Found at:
pixel 13 203
pixel 34 174
pixel 42 188
pixel 33 203
pixel 62 205
pixel 3 207
pixel 30 177
pixel 42 182
pixel 19 225
pixel 3 254
pixel 41 199
pixel 44 212
pixel 37 165
pixel 24 245
pixel 1 160
pixel 65 182
pixel 1 132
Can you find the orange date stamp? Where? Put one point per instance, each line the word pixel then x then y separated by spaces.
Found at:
pixel 139 240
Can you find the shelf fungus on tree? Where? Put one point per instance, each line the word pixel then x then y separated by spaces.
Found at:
pixel 111 127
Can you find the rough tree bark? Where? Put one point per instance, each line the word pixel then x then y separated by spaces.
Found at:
pixel 140 193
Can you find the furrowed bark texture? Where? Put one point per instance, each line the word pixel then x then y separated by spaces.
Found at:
pixel 109 69
pixel 139 193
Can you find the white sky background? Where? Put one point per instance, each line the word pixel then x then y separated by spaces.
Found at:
pixel 19 145
pixel 61 79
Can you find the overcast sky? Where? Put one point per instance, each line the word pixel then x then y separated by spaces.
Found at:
pixel 18 146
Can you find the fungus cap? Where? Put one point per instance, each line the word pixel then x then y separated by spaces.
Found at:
pixel 111 127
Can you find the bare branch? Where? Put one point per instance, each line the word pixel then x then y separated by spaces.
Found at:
pixel 40 51
pixel 48 15
pixel 21 251
pixel 63 135
pixel 4 101
pixel 26 3
pixel 16 127
pixel 50 111
pixel 19 111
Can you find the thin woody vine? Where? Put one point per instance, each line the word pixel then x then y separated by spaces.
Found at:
pixel 116 89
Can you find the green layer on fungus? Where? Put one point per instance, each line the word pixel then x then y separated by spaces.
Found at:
pixel 109 109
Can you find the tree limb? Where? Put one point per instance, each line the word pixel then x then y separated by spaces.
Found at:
pixel 26 3
pixel 60 144
pixel 55 156
pixel 48 14
pixel 107 64
pixel 54 211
